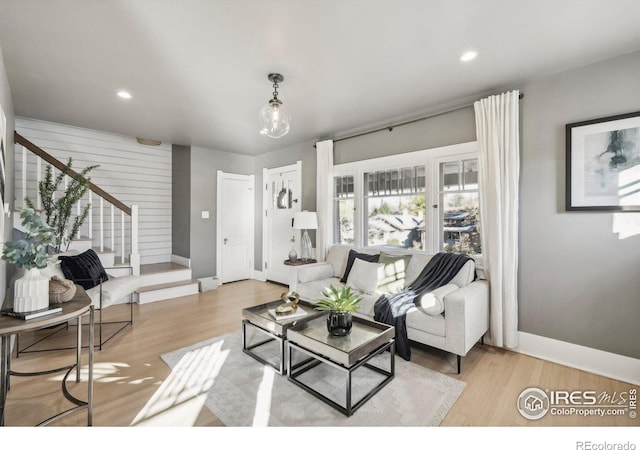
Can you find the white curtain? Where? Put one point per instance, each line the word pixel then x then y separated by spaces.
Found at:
pixel 324 197
pixel 497 130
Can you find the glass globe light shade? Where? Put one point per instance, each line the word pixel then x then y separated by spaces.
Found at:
pixel 274 120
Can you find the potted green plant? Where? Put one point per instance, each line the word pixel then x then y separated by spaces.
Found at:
pixel 58 207
pixel 31 290
pixel 340 302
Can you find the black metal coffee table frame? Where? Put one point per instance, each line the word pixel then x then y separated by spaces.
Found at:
pixel 315 359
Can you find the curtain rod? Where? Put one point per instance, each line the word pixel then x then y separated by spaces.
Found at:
pixel 391 127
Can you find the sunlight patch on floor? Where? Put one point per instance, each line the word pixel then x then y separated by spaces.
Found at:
pixel 263 399
pixel 102 373
pixel 179 399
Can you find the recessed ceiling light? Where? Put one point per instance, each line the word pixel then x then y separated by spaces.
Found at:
pixel 124 94
pixel 469 56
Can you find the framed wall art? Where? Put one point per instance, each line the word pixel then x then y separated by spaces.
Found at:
pixel 603 164
pixel 3 150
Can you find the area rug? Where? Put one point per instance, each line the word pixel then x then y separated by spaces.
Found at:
pixel 240 391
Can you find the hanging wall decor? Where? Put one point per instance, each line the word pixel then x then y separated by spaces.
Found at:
pixel 603 164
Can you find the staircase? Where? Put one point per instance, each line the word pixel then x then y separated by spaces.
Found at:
pixel 111 229
pixel 163 281
pixel 160 281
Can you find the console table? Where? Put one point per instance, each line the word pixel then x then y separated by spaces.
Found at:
pixel 9 326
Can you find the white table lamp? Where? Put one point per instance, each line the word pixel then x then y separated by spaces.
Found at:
pixel 305 220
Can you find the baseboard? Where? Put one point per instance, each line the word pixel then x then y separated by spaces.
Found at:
pixel 181 260
pixel 603 363
pixel 259 275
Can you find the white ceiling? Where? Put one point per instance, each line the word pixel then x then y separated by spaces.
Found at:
pixel 197 69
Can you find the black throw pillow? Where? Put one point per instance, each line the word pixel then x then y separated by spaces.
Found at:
pixel 353 255
pixel 84 269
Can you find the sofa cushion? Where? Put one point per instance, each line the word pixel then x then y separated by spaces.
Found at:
pixel 419 260
pixel 466 274
pixel 353 255
pixel 415 266
pixel 312 291
pixel 432 303
pixel 315 272
pixel 394 275
pixel 84 269
pixel 337 257
pixel 364 275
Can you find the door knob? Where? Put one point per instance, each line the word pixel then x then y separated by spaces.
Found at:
pixel 225 241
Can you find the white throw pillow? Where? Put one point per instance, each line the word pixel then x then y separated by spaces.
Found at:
pixel 432 302
pixel 364 276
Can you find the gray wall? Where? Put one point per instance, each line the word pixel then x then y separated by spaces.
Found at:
pixel 304 152
pixel 181 201
pixel 204 164
pixel 450 128
pixel 7 106
pixel 579 281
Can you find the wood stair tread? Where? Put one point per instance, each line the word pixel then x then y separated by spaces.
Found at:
pixel 148 269
pixel 156 287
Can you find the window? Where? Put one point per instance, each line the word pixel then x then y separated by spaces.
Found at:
pixel 425 201
pixel 343 210
pixel 459 212
pixel 395 205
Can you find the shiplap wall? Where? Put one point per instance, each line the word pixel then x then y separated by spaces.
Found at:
pixel 133 173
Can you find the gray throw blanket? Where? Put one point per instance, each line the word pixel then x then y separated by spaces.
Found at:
pixel 392 309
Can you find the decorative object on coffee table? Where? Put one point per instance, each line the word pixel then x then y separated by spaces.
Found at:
pixel 262 320
pixel 340 302
pixel 290 305
pixel 31 291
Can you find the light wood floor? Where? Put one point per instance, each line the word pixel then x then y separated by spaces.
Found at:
pixel 129 369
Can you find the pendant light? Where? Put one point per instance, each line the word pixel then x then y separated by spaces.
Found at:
pixel 274 119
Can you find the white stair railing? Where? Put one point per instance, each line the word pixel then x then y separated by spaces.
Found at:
pixel 32 161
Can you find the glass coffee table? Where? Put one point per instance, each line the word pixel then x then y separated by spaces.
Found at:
pixel 275 329
pixel 343 355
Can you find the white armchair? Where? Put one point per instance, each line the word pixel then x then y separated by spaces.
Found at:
pixel 114 290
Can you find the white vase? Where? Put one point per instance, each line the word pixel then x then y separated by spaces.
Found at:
pixel 31 291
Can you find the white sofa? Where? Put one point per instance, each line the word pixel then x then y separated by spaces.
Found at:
pixel 452 318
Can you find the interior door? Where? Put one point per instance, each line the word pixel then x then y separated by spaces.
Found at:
pixel 235 227
pixel 282 188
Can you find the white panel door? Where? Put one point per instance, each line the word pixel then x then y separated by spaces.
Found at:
pixel 235 227
pixel 282 188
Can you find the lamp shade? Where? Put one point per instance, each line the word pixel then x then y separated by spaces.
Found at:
pixel 305 220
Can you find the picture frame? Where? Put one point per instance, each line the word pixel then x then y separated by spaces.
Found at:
pixel 603 164
pixel 3 149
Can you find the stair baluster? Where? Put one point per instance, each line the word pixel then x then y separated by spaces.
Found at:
pixel 121 237
pixel 24 177
pixel 101 224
